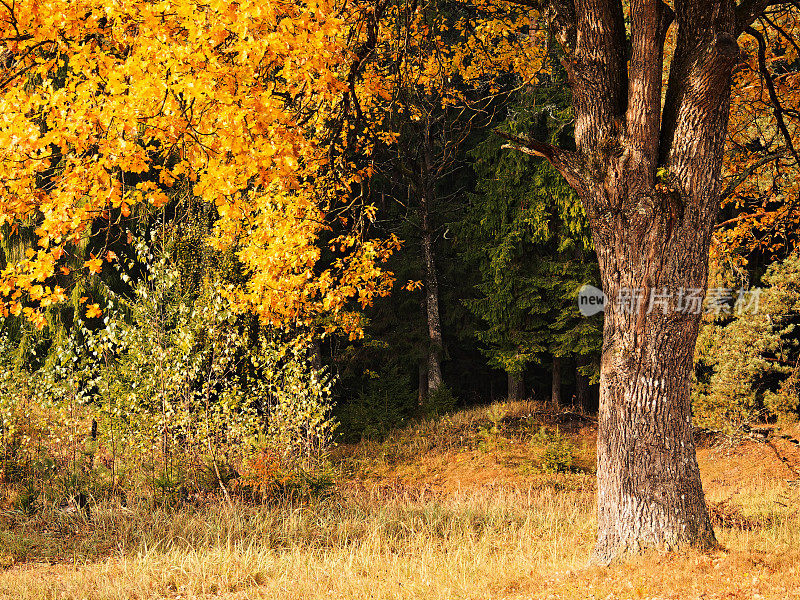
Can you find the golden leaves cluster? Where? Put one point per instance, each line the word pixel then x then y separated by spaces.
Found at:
pixel 110 103
pixel 766 200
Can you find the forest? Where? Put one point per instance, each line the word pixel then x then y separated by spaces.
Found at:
pixel 399 299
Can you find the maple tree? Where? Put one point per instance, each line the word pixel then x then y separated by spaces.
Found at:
pixel 242 105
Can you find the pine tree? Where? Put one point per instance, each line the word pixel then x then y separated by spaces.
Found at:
pixel 526 233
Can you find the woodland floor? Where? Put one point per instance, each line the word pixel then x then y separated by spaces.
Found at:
pixel 453 508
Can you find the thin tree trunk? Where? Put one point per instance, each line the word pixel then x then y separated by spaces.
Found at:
pixel 582 383
pixel 427 194
pixel 316 354
pixel 434 322
pixel 422 366
pixel 555 389
pixel 516 387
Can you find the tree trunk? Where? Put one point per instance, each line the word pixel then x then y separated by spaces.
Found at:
pixel 650 184
pixel 555 389
pixel 432 313
pixel 652 227
pixel 422 365
pixel 316 354
pixel 516 387
pixel 427 195
pixel 582 383
pixel 649 489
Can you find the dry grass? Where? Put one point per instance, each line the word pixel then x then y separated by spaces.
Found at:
pixel 433 512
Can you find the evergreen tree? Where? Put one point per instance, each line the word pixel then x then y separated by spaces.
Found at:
pixel 747 359
pixel 526 233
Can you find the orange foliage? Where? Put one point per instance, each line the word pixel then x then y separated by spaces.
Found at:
pixel 758 156
pixel 110 103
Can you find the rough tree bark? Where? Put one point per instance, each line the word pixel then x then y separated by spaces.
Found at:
pixel 650 186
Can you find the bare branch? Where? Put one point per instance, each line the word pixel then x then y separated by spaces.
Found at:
pixel 650 20
pixel 789 39
pixel 537 4
pixel 744 175
pixel 565 162
pixel 600 89
pixel 697 96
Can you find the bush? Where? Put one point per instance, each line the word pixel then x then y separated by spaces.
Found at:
pixel 747 364
pixel 170 395
pixel 557 456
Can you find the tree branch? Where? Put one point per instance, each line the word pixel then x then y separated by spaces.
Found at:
pixel 537 4
pixel 561 13
pixel 695 114
pixel 650 20
pixel 763 213
pixel 565 162
pixel 600 89
pixel 781 32
pixel 742 177
pixel 749 10
pixel 777 109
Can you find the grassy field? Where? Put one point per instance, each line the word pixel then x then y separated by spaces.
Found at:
pixel 467 506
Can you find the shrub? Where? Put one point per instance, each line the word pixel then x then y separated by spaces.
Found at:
pixel 747 364
pixel 440 402
pixel 557 456
pixel 173 392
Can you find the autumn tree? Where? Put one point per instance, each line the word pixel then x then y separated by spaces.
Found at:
pixel 650 183
pixel 106 105
pixel 428 119
pixel 247 106
pixel 760 212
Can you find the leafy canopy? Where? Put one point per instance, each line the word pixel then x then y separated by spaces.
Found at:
pixel 107 104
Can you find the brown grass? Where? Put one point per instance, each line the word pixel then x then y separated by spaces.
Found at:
pixel 433 512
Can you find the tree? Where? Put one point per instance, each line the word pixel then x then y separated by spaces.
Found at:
pixel 747 356
pixel 650 184
pixel 109 104
pixel 430 116
pixel 526 233
pixel 245 107
pixel 760 209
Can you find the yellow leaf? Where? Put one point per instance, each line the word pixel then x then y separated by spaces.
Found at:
pixel 95 265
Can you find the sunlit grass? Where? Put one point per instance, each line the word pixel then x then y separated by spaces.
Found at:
pixel 460 546
pixel 426 513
